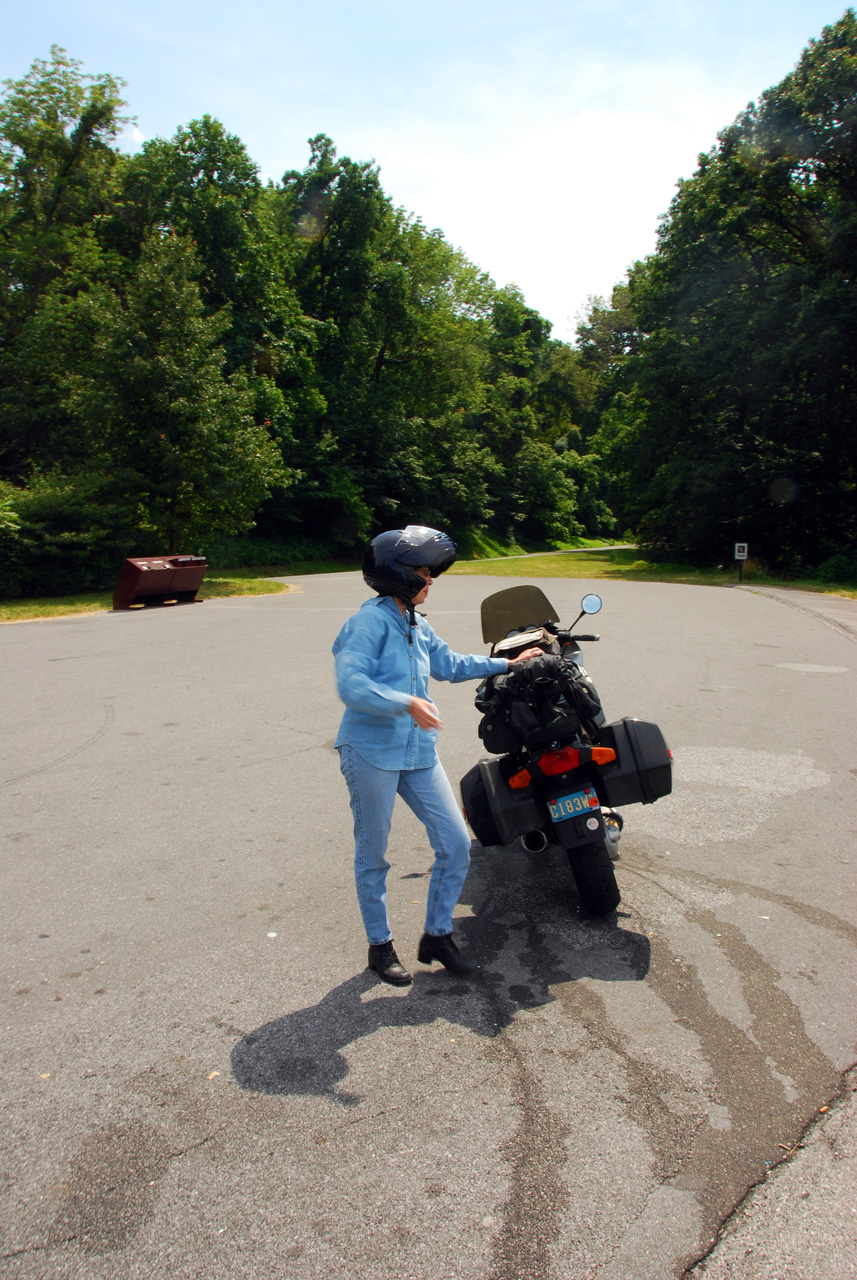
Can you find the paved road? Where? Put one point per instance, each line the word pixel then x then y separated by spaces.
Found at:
pixel 199 1078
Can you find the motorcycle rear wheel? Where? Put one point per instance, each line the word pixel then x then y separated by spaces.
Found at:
pixel 595 878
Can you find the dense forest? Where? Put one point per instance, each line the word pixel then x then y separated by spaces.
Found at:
pixel 726 365
pixel 193 360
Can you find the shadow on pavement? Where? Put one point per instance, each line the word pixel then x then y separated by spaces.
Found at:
pixel 526 935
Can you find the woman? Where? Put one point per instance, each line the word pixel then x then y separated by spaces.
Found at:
pixel 386 742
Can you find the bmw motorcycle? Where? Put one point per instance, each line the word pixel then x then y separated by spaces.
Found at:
pixel 558 772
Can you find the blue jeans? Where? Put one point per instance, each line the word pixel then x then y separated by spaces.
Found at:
pixel 427 792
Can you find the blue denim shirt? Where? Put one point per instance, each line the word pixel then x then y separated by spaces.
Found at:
pixel 381 663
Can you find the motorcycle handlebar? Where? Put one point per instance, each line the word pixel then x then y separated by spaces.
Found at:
pixel 583 639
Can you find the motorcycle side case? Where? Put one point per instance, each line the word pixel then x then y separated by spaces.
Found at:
pixel 496 814
pixel 642 772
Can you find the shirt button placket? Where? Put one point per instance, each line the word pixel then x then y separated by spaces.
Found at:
pixel 413 744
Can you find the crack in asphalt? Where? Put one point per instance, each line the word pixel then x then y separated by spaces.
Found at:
pixel 843 1092
pixel 35 1248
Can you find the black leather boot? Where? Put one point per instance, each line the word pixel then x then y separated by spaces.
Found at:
pixel 385 962
pixel 444 949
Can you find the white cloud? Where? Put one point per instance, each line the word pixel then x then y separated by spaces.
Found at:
pixel 545 140
pixel 542 189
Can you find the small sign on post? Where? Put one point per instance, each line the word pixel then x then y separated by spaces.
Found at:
pixel 740 556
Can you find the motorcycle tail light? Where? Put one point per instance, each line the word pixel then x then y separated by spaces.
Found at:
pixel 567 758
pixel 560 761
pixel 550 763
pixel 573 757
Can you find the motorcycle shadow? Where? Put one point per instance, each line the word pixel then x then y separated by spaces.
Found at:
pixel 526 934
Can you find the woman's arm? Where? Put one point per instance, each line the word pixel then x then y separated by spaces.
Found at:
pixel 356 651
pixel 446 664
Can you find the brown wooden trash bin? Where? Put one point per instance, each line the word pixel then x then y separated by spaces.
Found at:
pixel 159 580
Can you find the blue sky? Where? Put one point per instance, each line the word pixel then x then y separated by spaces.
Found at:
pixel 544 139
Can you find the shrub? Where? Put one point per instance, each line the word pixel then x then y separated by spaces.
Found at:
pixel 245 552
pixel 841 567
pixel 65 533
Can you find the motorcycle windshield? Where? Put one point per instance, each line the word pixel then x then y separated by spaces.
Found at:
pixel 513 610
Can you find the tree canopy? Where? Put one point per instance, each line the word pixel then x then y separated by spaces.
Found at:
pixel 198 355
pixel 192 359
pixel 728 364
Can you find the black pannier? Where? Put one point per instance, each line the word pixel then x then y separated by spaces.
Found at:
pixel 642 772
pixel 543 700
pixel 497 815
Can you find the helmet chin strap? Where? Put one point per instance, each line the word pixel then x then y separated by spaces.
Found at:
pixel 408 607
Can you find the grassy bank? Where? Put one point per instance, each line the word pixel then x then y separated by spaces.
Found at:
pixel 627 564
pixel 228 582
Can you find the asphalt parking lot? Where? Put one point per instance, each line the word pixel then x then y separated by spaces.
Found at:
pixel 201 1080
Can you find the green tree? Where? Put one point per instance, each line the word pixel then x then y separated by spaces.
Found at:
pixel 530 423
pixel 739 397
pixel 57 179
pixel 202 184
pixel 402 323
pixel 169 416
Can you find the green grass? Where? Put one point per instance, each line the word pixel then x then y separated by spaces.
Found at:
pixel 483 547
pixel 218 583
pixel 629 566
pixel 54 606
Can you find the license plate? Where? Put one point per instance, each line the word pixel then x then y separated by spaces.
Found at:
pixel 572 806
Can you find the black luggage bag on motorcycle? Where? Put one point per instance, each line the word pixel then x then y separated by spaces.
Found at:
pixel 642 771
pixel 545 701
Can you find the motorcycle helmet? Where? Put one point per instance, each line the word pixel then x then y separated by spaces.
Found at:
pixel 391 560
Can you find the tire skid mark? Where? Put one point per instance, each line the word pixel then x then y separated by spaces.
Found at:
pixel 534 1212
pixel 648 1087
pixel 538 1196
pixel 717 1167
pixel 649 1091
pixel 813 915
pixel 762 1117
pixel 109 717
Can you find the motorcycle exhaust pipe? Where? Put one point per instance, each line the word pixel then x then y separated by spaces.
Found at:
pixel 612 833
pixel 534 841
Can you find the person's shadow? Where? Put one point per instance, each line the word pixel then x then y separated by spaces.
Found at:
pixel 526 934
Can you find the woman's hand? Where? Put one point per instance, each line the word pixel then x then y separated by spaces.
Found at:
pixel 425 714
pixel 528 653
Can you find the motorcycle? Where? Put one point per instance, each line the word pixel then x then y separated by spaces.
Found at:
pixel 559 771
